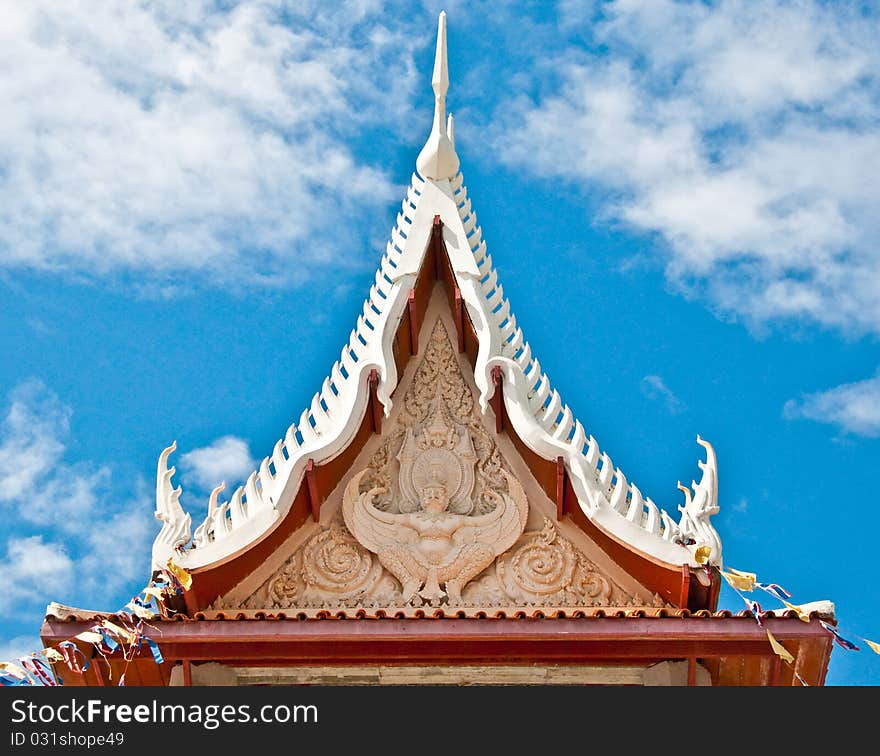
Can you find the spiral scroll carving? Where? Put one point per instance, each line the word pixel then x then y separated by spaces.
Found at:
pixel 544 567
pixel 334 562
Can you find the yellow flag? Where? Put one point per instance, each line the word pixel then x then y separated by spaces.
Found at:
pixel 742 581
pixel 139 611
pixel 52 654
pixel 702 554
pixel 153 592
pixel 181 574
pixel 802 615
pixel 89 636
pixel 779 649
pixel 875 647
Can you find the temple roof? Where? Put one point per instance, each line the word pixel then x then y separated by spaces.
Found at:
pixel 366 372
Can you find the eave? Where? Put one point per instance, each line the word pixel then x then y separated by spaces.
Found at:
pixel 733 648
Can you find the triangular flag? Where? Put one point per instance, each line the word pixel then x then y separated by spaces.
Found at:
pixel 89 636
pixel 139 611
pixel 52 654
pixel 779 649
pixel 802 615
pixel 875 647
pixel 742 581
pixel 702 554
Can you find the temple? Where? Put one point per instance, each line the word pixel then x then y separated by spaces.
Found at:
pixel 438 514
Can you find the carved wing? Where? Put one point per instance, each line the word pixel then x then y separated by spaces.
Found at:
pixel 370 526
pixel 501 527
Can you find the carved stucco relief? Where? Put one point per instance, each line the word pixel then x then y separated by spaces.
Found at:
pixel 437 518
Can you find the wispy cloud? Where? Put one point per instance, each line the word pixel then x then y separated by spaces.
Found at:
pixel 654 388
pixel 31 569
pixel 71 535
pixel 203 137
pixel 225 459
pixel 853 407
pixel 21 645
pixel 745 134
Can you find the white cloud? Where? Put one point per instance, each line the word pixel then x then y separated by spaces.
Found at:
pixel 654 387
pixel 21 645
pixel 225 459
pixel 200 136
pixel 91 543
pixel 745 134
pixel 36 484
pixel 31 569
pixel 854 407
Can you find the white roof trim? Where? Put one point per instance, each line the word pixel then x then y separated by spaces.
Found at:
pixel 536 411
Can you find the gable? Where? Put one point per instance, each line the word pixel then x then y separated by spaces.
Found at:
pixel 338 563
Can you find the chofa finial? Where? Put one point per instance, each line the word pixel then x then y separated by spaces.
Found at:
pixel 438 160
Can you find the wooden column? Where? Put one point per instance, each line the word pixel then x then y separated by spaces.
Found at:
pixel 187 673
pixel 436 238
pixel 375 406
pixel 459 319
pixel 775 669
pixel 497 400
pixel 685 586
pixel 561 474
pixel 99 672
pixel 413 323
pixel 312 488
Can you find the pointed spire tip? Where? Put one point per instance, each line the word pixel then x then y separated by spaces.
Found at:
pixel 438 160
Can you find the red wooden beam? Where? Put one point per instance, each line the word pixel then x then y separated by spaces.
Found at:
pixel 312 486
pixel 610 640
pixel 561 474
pixel 375 405
pixel 497 400
pixel 187 673
pixel 692 671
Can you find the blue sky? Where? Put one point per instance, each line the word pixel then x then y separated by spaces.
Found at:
pixel 680 199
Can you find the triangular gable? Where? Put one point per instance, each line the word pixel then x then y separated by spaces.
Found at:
pixel 549 564
pixel 437 237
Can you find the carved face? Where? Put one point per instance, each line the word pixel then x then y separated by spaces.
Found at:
pixel 434 498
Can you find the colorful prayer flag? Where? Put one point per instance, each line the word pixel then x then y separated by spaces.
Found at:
pixel 841 641
pixel 802 615
pixel 742 581
pixel 775 590
pixel 180 574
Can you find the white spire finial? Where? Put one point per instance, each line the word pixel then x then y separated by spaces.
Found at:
pixel 437 160
pixel 440 78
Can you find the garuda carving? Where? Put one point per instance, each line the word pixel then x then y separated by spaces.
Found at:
pixel 433 545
